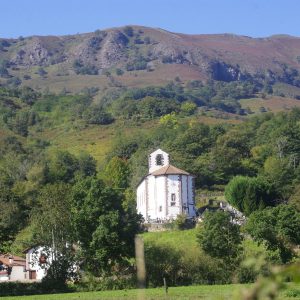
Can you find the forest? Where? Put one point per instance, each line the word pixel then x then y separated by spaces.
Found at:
pixel 50 194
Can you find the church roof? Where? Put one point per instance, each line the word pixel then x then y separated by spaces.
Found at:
pixel 169 170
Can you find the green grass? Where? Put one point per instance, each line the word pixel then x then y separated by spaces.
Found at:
pixel 182 240
pixel 210 292
pixel 271 103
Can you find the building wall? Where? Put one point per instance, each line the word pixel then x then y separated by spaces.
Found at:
pixel 174 188
pixel 32 263
pixel 141 198
pixel 155 195
pixel 18 273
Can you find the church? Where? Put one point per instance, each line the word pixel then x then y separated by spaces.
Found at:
pixel 166 191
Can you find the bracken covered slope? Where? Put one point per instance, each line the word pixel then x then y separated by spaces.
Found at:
pixel 223 57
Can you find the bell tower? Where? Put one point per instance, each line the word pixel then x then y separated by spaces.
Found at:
pixel 157 160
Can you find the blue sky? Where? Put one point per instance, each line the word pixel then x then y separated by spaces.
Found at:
pixel 257 18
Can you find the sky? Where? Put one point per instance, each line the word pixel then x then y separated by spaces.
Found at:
pixel 256 18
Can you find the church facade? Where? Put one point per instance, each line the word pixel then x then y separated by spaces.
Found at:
pixel 166 191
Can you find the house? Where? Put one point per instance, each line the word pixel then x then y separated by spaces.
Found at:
pixel 166 191
pixel 38 261
pixel 12 268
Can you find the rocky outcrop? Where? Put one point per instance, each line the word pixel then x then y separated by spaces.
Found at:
pixel 220 57
pixel 111 52
pixel 31 54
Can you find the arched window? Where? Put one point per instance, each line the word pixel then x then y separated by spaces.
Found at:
pixel 159 160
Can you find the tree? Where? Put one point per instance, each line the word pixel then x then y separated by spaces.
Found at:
pixel 62 167
pixel 117 173
pixel 169 120
pixel 219 237
pixel 87 164
pixel 278 228
pixel 105 230
pixel 97 115
pixel 248 194
pixel 12 217
pixel 188 108
pixel 51 225
pixel 279 173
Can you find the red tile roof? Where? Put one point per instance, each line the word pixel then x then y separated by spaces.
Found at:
pixel 16 260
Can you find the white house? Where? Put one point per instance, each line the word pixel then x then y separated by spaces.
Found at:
pixel 166 191
pixel 38 261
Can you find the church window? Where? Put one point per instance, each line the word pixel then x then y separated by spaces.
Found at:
pixel 173 199
pixel 159 160
pixel 160 208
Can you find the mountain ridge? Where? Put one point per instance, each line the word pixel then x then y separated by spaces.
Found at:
pixel 224 57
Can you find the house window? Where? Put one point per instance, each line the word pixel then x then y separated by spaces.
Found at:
pixel 159 160
pixel 173 199
pixel 43 259
pixel 32 275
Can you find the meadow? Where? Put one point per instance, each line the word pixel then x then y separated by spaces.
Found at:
pixel 209 292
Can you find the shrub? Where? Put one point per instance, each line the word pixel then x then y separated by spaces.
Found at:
pixel 96 115
pixel 80 68
pixel 119 72
pixel 32 288
pixel 92 283
pixel 248 194
pixel 128 30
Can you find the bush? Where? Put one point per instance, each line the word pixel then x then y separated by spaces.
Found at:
pixel 119 72
pixel 96 115
pixel 80 68
pixel 294 293
pixel 167 59
pixel 128 30
pixel 246 274
pixel 248 194
pixel 32 288
pixel 92 283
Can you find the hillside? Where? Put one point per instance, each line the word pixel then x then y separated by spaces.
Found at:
pixel 136 56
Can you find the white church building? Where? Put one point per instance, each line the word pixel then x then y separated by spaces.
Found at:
pixel 166 191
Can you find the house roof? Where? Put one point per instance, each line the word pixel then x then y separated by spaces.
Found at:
pixel 12 260
pixel 169 170
pixel 166 170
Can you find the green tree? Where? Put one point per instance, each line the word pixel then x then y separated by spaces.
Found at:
pixel 97 115
pixel 279 172
pixel 248 194
pixel 51 225
pixel 62 167
pixel 86 164
pixel 169 120
pixel 117 173
pixel 188 108
pixel 103 228
pixel 12 217
pixel 219 237
pixel 277 228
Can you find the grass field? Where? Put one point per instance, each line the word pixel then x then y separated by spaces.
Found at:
pixel 209 292
pixel 273 104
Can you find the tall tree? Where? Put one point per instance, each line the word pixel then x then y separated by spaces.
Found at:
pixel 219 237
pixel 105 231
pixel 277 228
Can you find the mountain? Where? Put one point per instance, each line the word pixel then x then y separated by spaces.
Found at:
pixel 147 56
